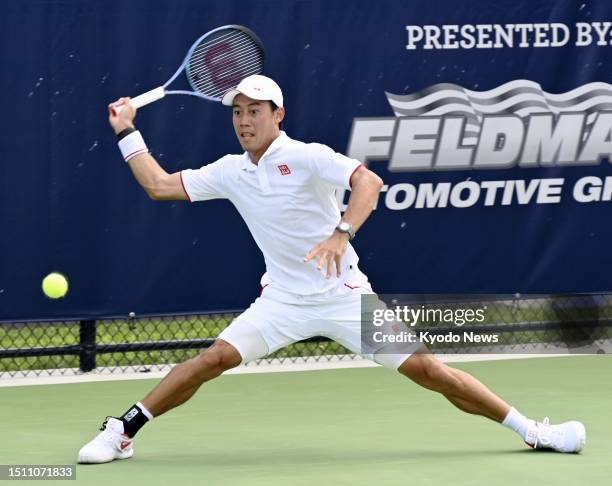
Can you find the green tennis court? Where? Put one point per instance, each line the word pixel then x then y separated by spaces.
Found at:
pixel 350 426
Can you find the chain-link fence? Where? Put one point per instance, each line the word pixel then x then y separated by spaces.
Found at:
pixel 117 345
pixel 575 323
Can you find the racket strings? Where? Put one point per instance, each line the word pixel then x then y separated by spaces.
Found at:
pixel 220 63
pixel 233 47
pixel 199 58
pixel 250 62
pixel 211 90
pixel 210 41
pixel 225 64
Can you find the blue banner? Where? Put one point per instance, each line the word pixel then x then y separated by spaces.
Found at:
pixel 489 122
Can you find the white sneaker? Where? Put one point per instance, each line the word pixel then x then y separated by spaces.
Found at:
pixel 565 437
pixel 108 445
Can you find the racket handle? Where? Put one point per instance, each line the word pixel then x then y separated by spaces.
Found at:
pixel 144 99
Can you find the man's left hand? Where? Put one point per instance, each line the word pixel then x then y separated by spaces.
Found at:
pixel 329 252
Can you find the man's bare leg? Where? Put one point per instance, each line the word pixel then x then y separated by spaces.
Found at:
pixel 184 380
pixel 116 436
pixel 460 388
pixel 470 395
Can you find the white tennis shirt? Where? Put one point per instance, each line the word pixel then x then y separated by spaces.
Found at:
pixel 287 200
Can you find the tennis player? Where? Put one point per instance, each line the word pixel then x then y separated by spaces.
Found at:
pixel 284 190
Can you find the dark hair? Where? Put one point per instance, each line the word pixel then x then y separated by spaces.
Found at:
pixel 274 107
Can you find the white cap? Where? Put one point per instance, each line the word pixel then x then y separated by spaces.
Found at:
pixel 257 87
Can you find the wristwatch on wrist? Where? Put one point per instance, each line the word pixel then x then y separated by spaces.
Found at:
pixel 347 228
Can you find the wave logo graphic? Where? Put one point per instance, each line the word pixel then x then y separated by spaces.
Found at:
pixel 520 97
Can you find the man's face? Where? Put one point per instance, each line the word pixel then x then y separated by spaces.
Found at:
pixel 255 123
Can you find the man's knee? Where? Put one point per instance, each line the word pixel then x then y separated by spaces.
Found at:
pixel 429 372
pixel 220 357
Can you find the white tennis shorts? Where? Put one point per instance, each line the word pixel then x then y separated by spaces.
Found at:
pixel 277 319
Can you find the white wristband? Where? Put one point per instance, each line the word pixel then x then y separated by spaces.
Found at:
pixel 132 145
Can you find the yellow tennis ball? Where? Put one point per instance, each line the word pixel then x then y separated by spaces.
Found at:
pixel 55 285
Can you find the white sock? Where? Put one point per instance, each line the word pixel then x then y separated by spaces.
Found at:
pixel 517 422
pixel 147 414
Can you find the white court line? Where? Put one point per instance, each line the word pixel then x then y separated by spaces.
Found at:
pixel 71 375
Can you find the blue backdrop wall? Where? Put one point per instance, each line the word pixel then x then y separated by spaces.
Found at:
pixel 351 71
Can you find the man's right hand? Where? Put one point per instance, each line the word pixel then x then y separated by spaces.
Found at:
pixel 125 118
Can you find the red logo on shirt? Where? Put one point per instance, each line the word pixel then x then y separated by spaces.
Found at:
pixel 284 169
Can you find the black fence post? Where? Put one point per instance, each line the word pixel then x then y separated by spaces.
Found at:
pixel 87 353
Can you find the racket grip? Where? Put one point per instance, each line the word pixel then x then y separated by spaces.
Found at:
pixel 144 99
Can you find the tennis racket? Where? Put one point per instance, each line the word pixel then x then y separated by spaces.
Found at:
pixel 215 63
